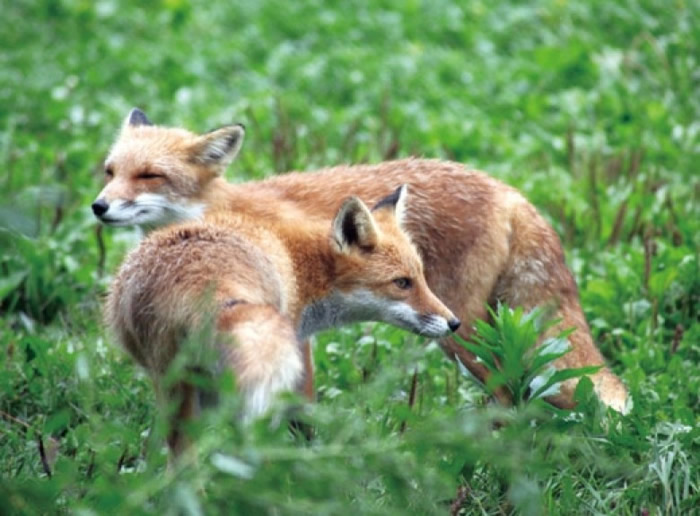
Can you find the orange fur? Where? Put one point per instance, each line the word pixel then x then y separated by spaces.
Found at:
pixel 251 291
pixel 480 240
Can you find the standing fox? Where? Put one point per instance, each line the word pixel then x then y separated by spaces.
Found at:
pixel 271 284
pixel 480 240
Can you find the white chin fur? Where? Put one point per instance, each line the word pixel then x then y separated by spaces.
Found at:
pixel 435 327
pixel 150 210
pixel 363 305
pixel 403 316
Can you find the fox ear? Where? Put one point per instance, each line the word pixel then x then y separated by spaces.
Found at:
pixel 395 201
pixel 220 146
pixel 136 117
pixel 354 225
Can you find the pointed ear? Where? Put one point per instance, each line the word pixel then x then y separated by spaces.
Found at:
pixel 395 201
pixel 135 118
pixel 220 146
pixel 354 225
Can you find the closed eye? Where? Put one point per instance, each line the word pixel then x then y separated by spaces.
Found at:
pixel 148 175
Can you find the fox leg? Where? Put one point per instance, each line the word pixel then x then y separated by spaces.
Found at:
pixel 187 408
pixel 469 308
pixel 305 387
pixel 466 289
pixel 584 352
pixel 537 275
pixel 307 384
pixel 260 345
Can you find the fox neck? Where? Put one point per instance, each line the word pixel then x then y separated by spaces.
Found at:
pixel 255 200
pixel 314 303
pixel 220 194
pixel 336 309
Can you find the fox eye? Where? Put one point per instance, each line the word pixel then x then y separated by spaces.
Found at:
pixel 109 172
pixel 403 283
pixel 148 175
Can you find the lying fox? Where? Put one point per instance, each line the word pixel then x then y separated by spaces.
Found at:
pixel 273 283
pixel 480 240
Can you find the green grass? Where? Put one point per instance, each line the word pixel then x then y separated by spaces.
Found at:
pixel 590 108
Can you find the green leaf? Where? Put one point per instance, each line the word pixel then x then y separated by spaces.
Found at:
pixel 563 375
pixel 9 283
pixel 57 422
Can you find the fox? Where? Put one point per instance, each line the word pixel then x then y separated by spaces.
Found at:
pixel 266 286
pixel 481 242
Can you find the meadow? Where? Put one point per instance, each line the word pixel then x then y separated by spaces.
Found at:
pixel 591 108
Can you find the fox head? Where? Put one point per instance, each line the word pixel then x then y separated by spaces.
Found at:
pixel 156 175
pixel 378 273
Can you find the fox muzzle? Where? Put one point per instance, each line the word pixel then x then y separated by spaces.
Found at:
pixel 100 207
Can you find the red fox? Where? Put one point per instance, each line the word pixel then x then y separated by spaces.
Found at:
pixel 272 284
pixel 480 240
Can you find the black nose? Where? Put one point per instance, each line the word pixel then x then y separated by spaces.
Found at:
pixel 99 207
pixel 454 324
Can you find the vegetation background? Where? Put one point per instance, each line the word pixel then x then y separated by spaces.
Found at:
pixel 592 108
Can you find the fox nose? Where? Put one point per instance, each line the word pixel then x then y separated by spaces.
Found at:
pixel 454 324
pixel 99 207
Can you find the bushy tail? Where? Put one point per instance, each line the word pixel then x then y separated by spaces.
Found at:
pixel 262 349
pixel 254 340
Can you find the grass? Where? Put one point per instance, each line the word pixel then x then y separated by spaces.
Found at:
pixel 590 108
pixel 508 348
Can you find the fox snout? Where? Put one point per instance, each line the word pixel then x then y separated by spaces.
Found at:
pixel 148 210
pixel 436 326
pixel 99 207
pixel 439 320
pixel 115 213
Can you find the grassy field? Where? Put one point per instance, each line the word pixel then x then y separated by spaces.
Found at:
pixel 591 108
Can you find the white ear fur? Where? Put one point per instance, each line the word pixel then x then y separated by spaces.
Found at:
pixel 397 201
pixel 400 208
pixel 219 147
pixel 354 225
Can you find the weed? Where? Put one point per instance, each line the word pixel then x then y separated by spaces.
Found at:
pixel 589 108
